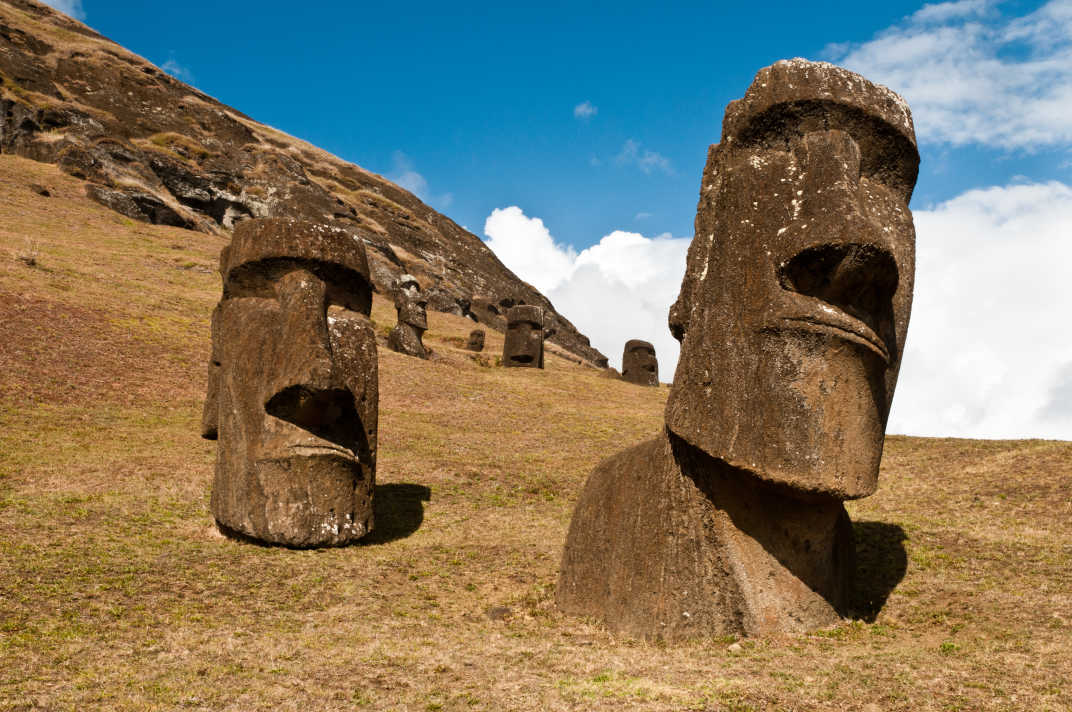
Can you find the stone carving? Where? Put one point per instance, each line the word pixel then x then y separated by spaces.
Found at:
pixel 523 346
pixel 476 340
pixel 639 365
pixel 412 308
pixel 293 386
pixel 792 316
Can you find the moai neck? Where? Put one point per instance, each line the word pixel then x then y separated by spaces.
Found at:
pixel 791 554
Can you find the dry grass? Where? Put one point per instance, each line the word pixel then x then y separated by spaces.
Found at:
pixel 117 593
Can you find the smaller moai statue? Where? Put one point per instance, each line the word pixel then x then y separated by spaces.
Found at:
pixel 639 365
pixel 523 347
pixel 476 340
pixel 412 308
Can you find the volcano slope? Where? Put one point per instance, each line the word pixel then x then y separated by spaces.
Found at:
pixel 117 592
pixel 160 151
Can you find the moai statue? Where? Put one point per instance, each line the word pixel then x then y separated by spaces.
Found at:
pixel 412 308
pixel 293 386
pixel 476 340
pixel 792 317
pixel 523 346
pixel 638 363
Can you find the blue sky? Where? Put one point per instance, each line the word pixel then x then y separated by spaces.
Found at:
pixel 572 138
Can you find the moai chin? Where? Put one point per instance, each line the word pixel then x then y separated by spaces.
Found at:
pixel 293 386
pixel 792 317
pixel 639 365
pixel 412 308
pixel 523 347
pixel 476 340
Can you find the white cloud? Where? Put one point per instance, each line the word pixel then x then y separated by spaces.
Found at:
pixel 642 216
pixel 585 110
pixel 405 176
pixel 178 71
pixel 988 353
pixel 68 7
pixel 1005 82
pixel 616 290
pixel 633 154
pixel 526 247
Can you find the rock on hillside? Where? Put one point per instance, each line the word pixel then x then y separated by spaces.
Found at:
pixel 160 151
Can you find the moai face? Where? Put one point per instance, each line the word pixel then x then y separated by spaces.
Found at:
pixel 411 305
pixel 795 302
pixel 476 340
pixel 523 346
pixel 638 363
pixel 293 386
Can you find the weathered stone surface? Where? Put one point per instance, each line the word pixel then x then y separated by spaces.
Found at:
pixel 792 316
pixel 639 365
pixel 293 386
pixel 523 345
pixel 412 309
pixel 162 151
pixel 476 340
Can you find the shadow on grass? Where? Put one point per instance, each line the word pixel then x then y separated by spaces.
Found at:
pixel 881 562
pixel 398 510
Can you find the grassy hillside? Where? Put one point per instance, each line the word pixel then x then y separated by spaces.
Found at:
pixel 116 591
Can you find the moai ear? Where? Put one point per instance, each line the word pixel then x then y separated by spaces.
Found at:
pixel 210 416
pixel 699 248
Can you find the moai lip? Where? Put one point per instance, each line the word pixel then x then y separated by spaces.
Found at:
pixel 476 340
pixel 792 316
pixel 639 364
pixel 412 321
pixel 523 347
pixel 293 386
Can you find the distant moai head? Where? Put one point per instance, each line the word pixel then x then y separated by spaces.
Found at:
pixel 476 340
pixel 639 364
pixel 410 302
pixel 523 346
pixel 798 284
pixel 293 385
pixel 412 318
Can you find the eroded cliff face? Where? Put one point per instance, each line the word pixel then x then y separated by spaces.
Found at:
pixel 158 150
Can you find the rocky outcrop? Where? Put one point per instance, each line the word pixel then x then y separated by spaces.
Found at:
pixel 160 151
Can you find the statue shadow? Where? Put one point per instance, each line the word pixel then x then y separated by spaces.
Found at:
pixel 398 510
pixel 881 563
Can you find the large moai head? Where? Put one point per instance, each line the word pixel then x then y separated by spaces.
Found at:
pixel 523 346
pixel 476 340
pixel 639 364
pixel 798 286
pixel 293 385
pixel 412 310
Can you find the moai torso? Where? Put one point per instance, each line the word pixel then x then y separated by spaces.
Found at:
pixel 406 337
pixel 293 389
pixel 639 365
pixel 792 317
pixel 523 347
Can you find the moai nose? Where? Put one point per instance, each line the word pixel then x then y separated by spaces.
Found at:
pixel 303 387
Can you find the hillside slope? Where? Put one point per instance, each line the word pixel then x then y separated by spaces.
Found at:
pixel 159 151
pixel 116 592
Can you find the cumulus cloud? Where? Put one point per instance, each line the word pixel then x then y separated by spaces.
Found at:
pixel 633 154
pixel 68 7
pixel 988 352
pixel 585 110
pixel 972 75
pixel 404 175
pixel 618 289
